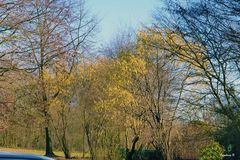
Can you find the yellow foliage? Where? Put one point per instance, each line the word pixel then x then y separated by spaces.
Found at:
pixel 58 84
pixel 150 41
pixel 111 81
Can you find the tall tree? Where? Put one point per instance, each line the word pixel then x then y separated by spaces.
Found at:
pixel 59 35
pixel 160 90
pixel 13 14
pixel 214 27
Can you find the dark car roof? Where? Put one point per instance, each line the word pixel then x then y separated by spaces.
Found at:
pixel 8 155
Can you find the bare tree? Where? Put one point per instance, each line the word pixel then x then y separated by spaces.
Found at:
pixel 62 34
pixel 12 16
pixel 161 93
pixel 213 26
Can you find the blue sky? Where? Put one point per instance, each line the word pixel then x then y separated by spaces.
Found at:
pixel 115 15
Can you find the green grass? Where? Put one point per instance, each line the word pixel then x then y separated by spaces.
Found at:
pixel 41 152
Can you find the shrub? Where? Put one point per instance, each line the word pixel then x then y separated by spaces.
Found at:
pixel 213 151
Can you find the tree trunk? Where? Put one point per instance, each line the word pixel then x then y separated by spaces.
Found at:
pixel 48 148
pixel 83 138
pixel 87 131
pixel 130 154
pixel 66 150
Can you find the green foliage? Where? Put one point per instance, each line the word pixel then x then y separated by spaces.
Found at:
pixel 213 151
